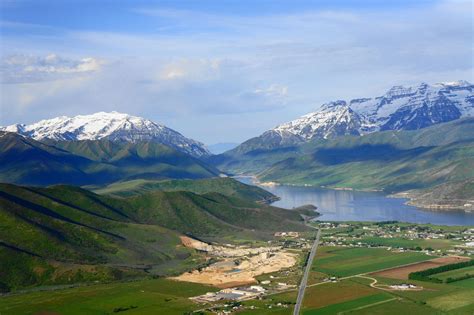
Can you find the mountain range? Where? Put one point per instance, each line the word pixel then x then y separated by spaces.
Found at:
pixel 112 126
pixel 400 108
pixel 364 143
pixel 411 138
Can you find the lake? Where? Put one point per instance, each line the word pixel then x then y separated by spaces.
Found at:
pixel 344 205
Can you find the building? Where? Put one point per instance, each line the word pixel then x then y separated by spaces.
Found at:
pixel 232 294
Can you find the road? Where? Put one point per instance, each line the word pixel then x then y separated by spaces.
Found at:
pixel 304 280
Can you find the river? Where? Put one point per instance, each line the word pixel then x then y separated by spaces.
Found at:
pixel 344 205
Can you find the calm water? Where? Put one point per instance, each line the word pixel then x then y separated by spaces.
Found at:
pixel 340 205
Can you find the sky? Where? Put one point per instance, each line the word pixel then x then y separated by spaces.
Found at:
pixel 221 71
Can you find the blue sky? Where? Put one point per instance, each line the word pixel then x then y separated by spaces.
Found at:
pixel 221 71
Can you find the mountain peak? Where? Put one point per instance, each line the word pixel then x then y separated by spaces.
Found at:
pixel 332 105
pixel 459 84
pixel 113 126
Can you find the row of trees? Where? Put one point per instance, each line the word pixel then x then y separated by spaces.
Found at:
pixel 463 277
pixel 424 275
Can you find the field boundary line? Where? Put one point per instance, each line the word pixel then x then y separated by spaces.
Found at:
pixel 368 305
pixel 379 270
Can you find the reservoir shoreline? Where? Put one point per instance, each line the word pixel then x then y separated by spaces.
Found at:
pixel 356 205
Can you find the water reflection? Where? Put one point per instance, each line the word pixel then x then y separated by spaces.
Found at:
pixel 343 205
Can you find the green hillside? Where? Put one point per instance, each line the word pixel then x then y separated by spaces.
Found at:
pixel 226 186
pixel 24 160
pixel 451 195
pixel 65 234
pixel 30 162
pixel 393 161
pixel 380 166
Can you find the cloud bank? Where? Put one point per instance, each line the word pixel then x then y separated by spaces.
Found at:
pixel 205 73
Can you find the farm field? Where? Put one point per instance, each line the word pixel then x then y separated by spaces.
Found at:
pixel 403 271
pixel 355 296
pixel 468 283
pixel 320 296
pixel 357 304
pixel 407 243
pixel 454 273
pixel 352 294
pixel 394 307
pixel 343 262
pixel 452 301
pixel 139 297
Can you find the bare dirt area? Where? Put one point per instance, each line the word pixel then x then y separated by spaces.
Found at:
pixel 403 271
pixel 240 265
pixel 227 250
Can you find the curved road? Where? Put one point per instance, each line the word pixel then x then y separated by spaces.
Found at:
pixel 304 280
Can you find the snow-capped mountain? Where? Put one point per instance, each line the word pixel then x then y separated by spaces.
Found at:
pixel 332 120
pixel 401 108
pixel 113 126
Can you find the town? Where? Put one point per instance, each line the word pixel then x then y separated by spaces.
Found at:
pixel 441 245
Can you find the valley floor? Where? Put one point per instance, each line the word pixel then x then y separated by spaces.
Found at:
pixel 357 270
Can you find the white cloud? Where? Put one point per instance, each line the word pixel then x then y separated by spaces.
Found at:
pixel 274 90
pixel 199 66
pixel 142 86
pixel 28 68
pixel 192 69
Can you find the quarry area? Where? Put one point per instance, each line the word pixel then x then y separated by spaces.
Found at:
pixel 238 265
pixel 226 251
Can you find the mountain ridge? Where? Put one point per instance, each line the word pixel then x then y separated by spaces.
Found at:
pixel 114 126
pixel 24 160
pixel 400 108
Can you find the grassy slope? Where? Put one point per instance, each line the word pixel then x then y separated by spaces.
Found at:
pixel 54 235
pixel 391 160
pixel 147 296
pixel 375 167
pixel 456 194
pixel 226 186
pixel 147 158
pixel 26 161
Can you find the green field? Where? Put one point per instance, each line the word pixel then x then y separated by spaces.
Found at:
pixel 326 295
pixel 354 295
pixel 159 296
pixel 453 301
pixel 355 304
pixel 454 273
pixel 468 283
pixel 396 307
pixel 343 262
pixel 406 243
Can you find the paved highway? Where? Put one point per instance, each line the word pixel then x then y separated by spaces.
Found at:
pixel 304 280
